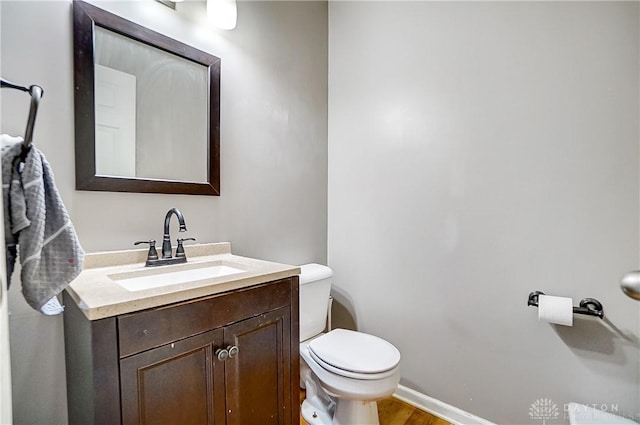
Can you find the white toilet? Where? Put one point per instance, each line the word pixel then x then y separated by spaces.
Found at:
pixel 344 372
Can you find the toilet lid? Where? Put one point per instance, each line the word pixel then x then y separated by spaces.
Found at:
pixel 355 351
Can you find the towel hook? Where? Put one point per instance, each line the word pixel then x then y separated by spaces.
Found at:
pixel 36 93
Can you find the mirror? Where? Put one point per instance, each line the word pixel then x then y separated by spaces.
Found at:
pixel 147 109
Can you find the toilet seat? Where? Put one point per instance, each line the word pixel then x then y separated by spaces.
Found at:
pixel 346 388
pixel 355 354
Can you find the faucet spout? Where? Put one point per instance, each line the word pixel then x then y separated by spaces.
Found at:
pixel 166 239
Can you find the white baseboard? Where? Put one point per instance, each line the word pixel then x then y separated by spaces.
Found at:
pixel 438 408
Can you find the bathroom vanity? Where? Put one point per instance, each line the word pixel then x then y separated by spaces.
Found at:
pixel 214 350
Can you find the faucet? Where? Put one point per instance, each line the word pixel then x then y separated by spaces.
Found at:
pixel 152 256
pixel 166 239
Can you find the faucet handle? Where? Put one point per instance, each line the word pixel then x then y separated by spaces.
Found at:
pixel 180 248
pixel 153 254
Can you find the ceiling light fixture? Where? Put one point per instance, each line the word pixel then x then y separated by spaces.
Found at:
pixel 169 3
pixel 223 13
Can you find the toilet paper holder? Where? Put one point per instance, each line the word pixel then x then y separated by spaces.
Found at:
pixel 588 306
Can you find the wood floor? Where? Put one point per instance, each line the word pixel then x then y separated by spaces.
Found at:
pixel 394 412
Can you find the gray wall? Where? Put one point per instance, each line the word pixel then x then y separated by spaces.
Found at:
pixel 273 153
pixel 477 152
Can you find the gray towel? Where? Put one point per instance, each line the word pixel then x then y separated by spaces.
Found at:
pixel 36 219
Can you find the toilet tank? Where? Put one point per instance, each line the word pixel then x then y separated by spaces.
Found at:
pixel 315 288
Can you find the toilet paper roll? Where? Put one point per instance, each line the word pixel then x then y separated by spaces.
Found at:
pixel 558 310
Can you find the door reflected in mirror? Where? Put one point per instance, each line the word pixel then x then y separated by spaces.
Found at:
pixel 147 109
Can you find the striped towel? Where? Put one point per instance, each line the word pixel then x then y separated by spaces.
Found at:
pixel 36 219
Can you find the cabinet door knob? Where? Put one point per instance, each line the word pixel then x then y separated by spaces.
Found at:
pixel 222 354
pixel 233 351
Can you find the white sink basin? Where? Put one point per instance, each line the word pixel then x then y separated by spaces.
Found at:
pixel 172 275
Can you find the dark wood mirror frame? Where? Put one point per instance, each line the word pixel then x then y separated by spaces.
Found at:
pixel 85 16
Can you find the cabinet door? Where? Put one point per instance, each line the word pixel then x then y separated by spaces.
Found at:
pixel 259 376
pixel 178 383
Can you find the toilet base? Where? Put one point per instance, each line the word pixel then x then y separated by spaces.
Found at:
pixel 351 412
pixel 347 412
pixel 315 414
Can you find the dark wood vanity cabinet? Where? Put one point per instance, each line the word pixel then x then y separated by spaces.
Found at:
pixel 228 359
pixel 180 383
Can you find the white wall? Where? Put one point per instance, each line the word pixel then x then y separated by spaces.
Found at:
pixel 6 415
pixel 273 153
pixel 477 152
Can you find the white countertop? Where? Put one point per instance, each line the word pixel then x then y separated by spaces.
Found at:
pixel 99 296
